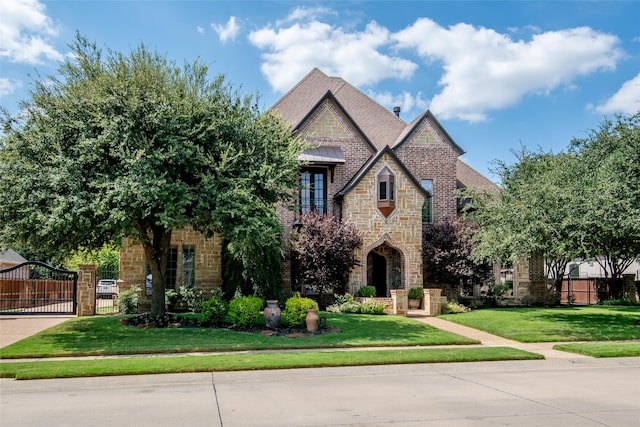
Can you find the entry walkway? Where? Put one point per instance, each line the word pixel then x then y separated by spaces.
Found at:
pixel 490 340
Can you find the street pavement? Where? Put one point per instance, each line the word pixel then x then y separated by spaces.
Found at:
pixel 558 392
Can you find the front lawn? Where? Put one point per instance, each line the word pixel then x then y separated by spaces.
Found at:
pixel 590 323
pixel 609 349
pixel 104 335
pixel 253 361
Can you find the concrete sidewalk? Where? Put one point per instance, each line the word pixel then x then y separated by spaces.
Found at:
pixel 16 328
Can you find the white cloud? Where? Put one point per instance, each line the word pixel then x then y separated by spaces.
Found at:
pixel 406 101
pixel 485 70
pixel 482 69
pixel 291 52
pixel 7 86
pixel 26 32
pixel 625 100
pixel 199 29
pixel 306 13
pixel 228 31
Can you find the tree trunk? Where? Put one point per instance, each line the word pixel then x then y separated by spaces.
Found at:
pixel 156 242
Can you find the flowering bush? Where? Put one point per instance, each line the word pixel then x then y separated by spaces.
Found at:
pixel 346 304
pixel 454 308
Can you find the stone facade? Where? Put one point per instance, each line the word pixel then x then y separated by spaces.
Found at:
pixel 207 261
pixel 401 230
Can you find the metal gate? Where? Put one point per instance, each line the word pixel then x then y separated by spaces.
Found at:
pixel 37 288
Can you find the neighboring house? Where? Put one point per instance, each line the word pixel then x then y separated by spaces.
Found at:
pixel 367 166
pixel 11 258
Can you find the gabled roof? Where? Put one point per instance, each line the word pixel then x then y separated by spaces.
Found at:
pixel 379 125
pixel 11 257
pixel 353 182
pixel 415 124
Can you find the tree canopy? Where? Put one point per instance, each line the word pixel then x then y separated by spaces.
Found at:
pixel 583 202
pixel 132 145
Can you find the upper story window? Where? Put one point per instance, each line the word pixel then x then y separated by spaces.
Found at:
pixel 386 191
pixel 313 191
pixel 427 207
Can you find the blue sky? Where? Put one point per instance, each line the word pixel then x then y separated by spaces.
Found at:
pixel 497 75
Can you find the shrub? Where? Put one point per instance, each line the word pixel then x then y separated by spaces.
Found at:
pixel 128 300
pixel 189 298
pixel 367 292
pixel 493 295
pixel 295 310
pixel 214 309
pixel 245 311
pixel 372 307
pixel 452 307
pixel 621 301
pixel 416 293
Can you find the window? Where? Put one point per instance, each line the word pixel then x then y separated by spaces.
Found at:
pixel 574 270
pixel 172 268
pixel 188 266
pixel 313 194
pixel 386 191
pixel 427 207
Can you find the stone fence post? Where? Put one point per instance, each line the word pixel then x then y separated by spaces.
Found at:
pixel 433 301
pixel 87 289
pixel 400 299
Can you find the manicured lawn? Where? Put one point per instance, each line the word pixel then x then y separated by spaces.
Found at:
pixel 104 335
pixel 252 361
pixel 609 349
pixel 590 323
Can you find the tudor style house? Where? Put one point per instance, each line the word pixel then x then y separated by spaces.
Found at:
pixel 366 166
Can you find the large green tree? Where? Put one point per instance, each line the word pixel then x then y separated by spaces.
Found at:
pixel 533 214
pixel 132 145
pixel 584 202
pixel 609 203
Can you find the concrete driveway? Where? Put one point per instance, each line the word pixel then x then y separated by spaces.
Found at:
pixel 15 328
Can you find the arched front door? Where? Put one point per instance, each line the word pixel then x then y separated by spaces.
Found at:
pixel 384 269
pixel 377 273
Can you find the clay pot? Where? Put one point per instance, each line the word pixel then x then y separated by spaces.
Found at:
pixel 272 314
pixel 313 320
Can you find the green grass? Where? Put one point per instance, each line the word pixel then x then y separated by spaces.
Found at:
pixel 252 361
pixel 611 349
pixel 591 323
pixel 104 335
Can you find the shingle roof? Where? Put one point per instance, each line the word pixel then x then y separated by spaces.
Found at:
pixel 11 257
pixel 381 126
pixel 470 178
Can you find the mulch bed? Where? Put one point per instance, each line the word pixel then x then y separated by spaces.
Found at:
pixel 171 320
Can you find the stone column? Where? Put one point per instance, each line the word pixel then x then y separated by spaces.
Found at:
pixel 87 289
pixel 433 301
pixel 400 301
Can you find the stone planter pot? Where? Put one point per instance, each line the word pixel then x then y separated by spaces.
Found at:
pixel 415 304
pixel 272 314
pixel 313 320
